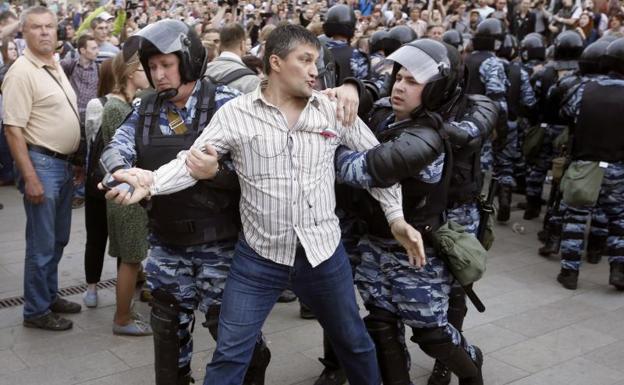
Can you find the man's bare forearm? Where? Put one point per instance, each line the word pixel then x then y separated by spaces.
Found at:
pixel 19 151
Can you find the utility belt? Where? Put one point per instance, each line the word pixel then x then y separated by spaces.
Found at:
pixel 53 154
pixel 190 232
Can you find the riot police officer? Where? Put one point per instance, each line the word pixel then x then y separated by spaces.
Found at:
pixel 339 27
pixel 415 152
pixel 192 232
pixel 486 76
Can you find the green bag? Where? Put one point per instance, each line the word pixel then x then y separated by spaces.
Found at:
pixel 533 142
pixel 581 183
pixel 462 252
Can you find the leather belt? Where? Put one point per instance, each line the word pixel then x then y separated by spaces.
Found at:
pixel 50 153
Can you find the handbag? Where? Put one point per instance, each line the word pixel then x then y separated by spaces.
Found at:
pixel 581 183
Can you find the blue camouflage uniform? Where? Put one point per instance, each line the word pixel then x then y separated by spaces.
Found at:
pixel 385 279
pixel 194 275
pixel 359 61
pixel 492 75
pixel 516 128
pixel 381 72
pixel 607 217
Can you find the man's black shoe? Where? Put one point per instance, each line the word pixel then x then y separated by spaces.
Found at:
pixel 440 375
pixel 478 379
pixel 616 276
pixel 533 208
pixel 568 278
pixel 504 204
pixel 305 312
pixel 49 321
pixel 331 375
pixel 287 296
pixel 551 247
pixel 64 306
pixel 593 256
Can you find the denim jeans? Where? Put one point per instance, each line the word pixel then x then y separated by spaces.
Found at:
pixel 251 290
pixel 47 232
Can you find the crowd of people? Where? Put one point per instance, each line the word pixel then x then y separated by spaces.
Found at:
pixel 294 149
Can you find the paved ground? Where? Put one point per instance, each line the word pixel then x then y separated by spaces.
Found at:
pixel 534 331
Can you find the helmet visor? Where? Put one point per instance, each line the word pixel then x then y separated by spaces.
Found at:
pixel 422 66
pixel 166 36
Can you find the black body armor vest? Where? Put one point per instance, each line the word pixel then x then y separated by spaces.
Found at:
pixel 474 85
pixel 598 134
pixel 514 91
pixel 205 212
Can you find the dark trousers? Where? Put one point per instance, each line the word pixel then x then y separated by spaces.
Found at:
pixel 97 235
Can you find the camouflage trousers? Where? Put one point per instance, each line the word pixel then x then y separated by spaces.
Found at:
pixel 608 215
pixel 519 163
pixel 467 215
pixel 539 169
pixel 418 297
pixel 487 156
pixel 195 276
pixel 504 156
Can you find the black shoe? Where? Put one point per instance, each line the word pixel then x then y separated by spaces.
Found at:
pixel 287 296
pixel 593 256
pixel 331 375
pixel 257 368
pixel 440 375
pixel 551 247
pixel 616 276
pixel 533 208
pixel 568 278
pixel 64 306
pixel 520 185
pixel 478 379
pixel 542 235
pixel 305 312
pixel 504 203
pixel 49 321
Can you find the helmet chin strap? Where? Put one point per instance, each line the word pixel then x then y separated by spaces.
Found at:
pixel 169 93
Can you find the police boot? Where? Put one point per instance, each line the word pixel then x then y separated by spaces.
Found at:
pixel 165 322
pixel 533 207
pixel 543 235
pixel 520 185
pixel 616 276
pixel 457 309
pixel 305 312
pixel 504 203
pixel 332 373
pixel 391 354
pixel 437 344
pixel 568 278
pixel 594 249
pixel 551 247
pixel 258 365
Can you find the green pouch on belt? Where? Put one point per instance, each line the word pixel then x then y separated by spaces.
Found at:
pixel 462 252
pixel 581 183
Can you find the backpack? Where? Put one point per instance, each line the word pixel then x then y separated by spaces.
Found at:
pixel 94 173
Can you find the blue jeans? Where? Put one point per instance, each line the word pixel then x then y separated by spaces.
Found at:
pixel 47 232
pixel 251 290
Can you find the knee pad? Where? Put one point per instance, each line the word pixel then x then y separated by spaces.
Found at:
pixel 379 315
pixel 457 308
pixel 438 344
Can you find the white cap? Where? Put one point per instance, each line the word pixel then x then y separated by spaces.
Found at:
pixel 105 16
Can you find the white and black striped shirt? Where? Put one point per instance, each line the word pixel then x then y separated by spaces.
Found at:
pixel 286 175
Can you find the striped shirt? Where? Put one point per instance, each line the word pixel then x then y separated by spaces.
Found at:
pixel 286 175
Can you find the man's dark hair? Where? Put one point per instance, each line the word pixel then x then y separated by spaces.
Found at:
pixel 231 35
pixel 6 16
pixel 284 39
pixel 82 41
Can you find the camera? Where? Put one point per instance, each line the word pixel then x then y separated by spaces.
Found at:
pixel 132 4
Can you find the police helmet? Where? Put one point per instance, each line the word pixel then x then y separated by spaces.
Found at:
pixel 339 21
pixel 171 36
pixel 568 45
pixel 532 48
pixel 509 48
pixel 592 59
pixel 399 35
pixel 609 38
pixel 537 36
pixel 428 62
pixel 454 38
pixel 489 35
pixel 377 41
pixel 615 56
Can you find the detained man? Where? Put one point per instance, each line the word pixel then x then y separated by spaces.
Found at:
pixel 282 139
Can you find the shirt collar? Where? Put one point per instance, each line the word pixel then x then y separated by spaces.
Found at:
pixel 258 96
pixel 35 60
